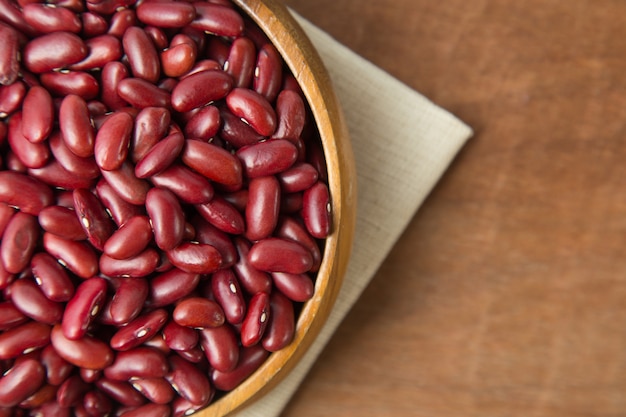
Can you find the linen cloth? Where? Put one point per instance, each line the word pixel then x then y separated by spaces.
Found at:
pixel 402 144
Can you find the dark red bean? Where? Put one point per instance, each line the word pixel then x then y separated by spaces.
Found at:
pixel 122 19
pixel 141 94
pixel 75 124
pixel 120 391
pixel 130 188
pixel 51 277
pixel 151 125
pixel 32 155
pixel 24 338
pixel 130 239
pixel 23 379
pixel 112 74
pixel 93 217
pixel 57 368
pixel 267 158
pixel 299 177
pixel 166 15
pixel 53 51
pixel 217 19
pixel 160 156
pixel 148 410
pixel 193 257
pixel 241 61
pixel 250 359
pixel 268 74
pixel 250 278
pixel 189 381
pixel 316 210
pixel 223 215
pixel 128 300
pixel 139 330
pixel 9 55
pixel 56 176
pixel 256 319
pixel 198 312
pixel 19 241
pixel 178 60
pixel 199 89
pixel 46 19
pixel 204 124
pixel 297 287
pixel 26 193
pixel 71 392
pixel 44 394
pixel 37 114
pixel 208 234
pixel 254 109
pixel 166 216
pixel 158 36
pixel 28 298
pixel 156 390
pixel 63 83
pixel 140 362
pixel 280 255
pixel 90 375
pixel 281 327
pixel 220 345
pixel 12 15
pixel 290 114
pixel 140 265
pixel 76 256
pixel 289 228
pixel 121 210
pixel 142 54
pixel 10 316
pixel 96 403
pixel 171 286
pixel 112 141
pixel 11 98
pixel 179 337
pixel 263 207
pixel 83 308
pixel 228 294
pixel 86 352
pixel 93 24
pixel 188 186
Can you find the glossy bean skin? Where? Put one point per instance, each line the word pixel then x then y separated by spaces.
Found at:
pixel 93 217
pixel 120 209
pixel 37 114
pixel 28 298
pixel 167 218
pixel 204 124
pixel 208 234
pixel 251 279
pixel 54 175
pixel 160 156
pixel 142 54
pixel 156 390
pixel 316 210
pixel 197 258
pixel 289 228
pixel 112 74
pixel 141 93
pixel 46 19
pixel 86 352
pixel 198 312
pixel 92 24
pixel 217 19
pixel 225 169
pixel 140 265
pixel 241 61
pixel 170 286
pixel 297 287
pixel 82 167
pixel 263 207
pixel 24 379
pixel 223 215
pixel 281 327
pixel 10 316
pixel 151 125
pixel 300 177
pixel 53 51
pixel 32 155
pixel 75 124
pixel 51 277
pixel 63 83
pixel 148 410
pixel 199 89
pixel 189 186
pixel 9 55
pixel 268 72
pixel 254 108
pixel 257 317
pixel 166 15
pixel 290 114
pixel 90 375
pixel 121 20
pixel 128 300
pixel 280 255
pixel 139 330
pixel 19 241
pixel 57 368
pixel 24 192
pixel 179 337
pixel 102 50
pixel 76 256
pixel 190 382
pixel 97 403
pixel 228 294
pixel 140 362
pixel 24 338
pixel 220 345
pixel 250 359
pixel 178 60
pixel 11 97
pixel 130 239
pixel 44 394
pixel 267 158
pixel 83 307
pixel 130 188
pixel 71 391
pixel 120 391
pixel 236 132
pixel 112 141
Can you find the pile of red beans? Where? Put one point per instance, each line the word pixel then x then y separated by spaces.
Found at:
pixel 163 205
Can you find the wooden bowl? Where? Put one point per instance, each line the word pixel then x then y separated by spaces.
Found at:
pixel 303 60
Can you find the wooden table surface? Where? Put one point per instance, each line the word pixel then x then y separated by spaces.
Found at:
pixel 506 295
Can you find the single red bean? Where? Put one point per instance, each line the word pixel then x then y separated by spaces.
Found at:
pixel 189 381
pixel 137 266
pixel 171 286
pixel 112 141
pixel 156 390
pixel 183 407
pixel 222 215
pixel 256 319
pixel 315 156
pixel 26 193
pixel 44 394
pixel 267 158
pixel 198 258
pixel 96 403
pixel 224 167
pixel 90 375
pixel 263 207
pixel 28 298
pixel 166 216
pixel 199 89
pixel 102 50
pixel 140 362
pixel 51 409
pixel 142 54
pixel 19 241
pixel 37 114
pixel 71 392
pixel 220 345
pixel 179 337
pixel 57 368
pixel 160 156
pixel 198 312
pixel 177 60
pixel 9 55
pixel 158 36
pixel 112 73
pixel 268 74
pixel 128 300
pixel 32 155
pixel 11 97
pixel 93 217
pixel 51 277
pixel 151 125
pixel 208 234
pixel 139 330
pixel 130 239
pixel 316 210
pixel 53 51
pixel 10 316
pixel 297 287
pixel 81 167
pixel 280 255
pixel 289 228
pixel 93 24
pixel 217 19
pixel 290 114
pixel 141 93
pixel 253 108
pixel 11 14
pixel 148 410
pixel 252 279
pixel 121 210
pixel 86 352
pixel 202 65
pixel 250 359
pixel 122 19
pixel 188 186
pixel 76 256
pixel 22 380
pixel 241 61
pixel 166 15
pixel 130 188
pixel 299 177
pixel 281 327
pixel 227 292
pixel 24 338
pixel 56 176
pixel 83 308
pixel 63 83
pixel 46 19
pixel 204 124
pixel 75 123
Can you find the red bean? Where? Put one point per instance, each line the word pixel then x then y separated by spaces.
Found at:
pixel 156 390
pixel 51 277
pixel 166 15
pixel 228 294
pixel 141 94
pixel 268 74
pixel 86 352
pixel 112 141
pixel 12 15
pixel 220 345
pixel 93 217
pixel 75 124
pixel 289 228
pixel 90 375
pixel 254 109
pixel 171 286
pixel 199 89
pixel 166 216
pixel 37 114
pixel 63 83
pixel 280 255
pixel 316 210
pixel 82 309
pixel 241 61
pixel 160 156
pixel 57 368
pixel 10 316
pixel 148 410
pixel 224 169
pixel 9 55
pixel 28 299
pixel 112 74
pixel 18 242
pixel 71 391
pixel 179 337
pixel 151 125
pixel 128 300
pixel 32 155
pixel 26 193
pixel 267 158
pixel 256 319
pixel 263 207
pixel 252 279
pixel 45 18
pixel 121 20
pixel 53 51
pixel 179 59
pixel 188 186
pixel 130 188
pixel 197 258
pixel 189 381
pixel 140 265
pixel 217 19
pixel 142 54
pixel 140 362
pixel 120 391
pixel 130 239
pixel 250 358
pixel 76 256
pixel 300 177
pixel 204 124
pixel 281 327
pixel 102 50
pixel 93 24
pixel 139 330
pixel 24 338
pixel 291 116
pixel 198 312
pixel 20 382
pixel 120 209
pixel 11 97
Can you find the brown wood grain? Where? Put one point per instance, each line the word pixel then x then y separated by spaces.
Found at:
pixel 506 295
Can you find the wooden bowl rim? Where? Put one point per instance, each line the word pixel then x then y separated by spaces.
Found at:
pixel 306 65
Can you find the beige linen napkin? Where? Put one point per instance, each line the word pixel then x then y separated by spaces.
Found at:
pixel 402 144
